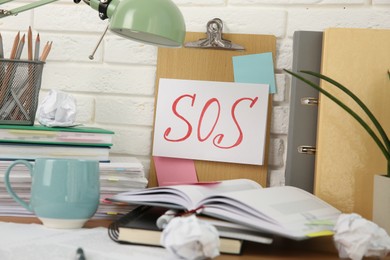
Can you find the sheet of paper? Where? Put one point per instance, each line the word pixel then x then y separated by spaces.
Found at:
pixel 36 242
pixel 210 120
pixel 255 68
pixel 170 171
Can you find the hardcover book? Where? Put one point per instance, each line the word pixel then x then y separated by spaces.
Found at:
pixel 26 151
pixel 139 227
pixel 39 134
pixel 286 211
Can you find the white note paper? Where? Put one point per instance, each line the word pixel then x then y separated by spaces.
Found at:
pixel 210 120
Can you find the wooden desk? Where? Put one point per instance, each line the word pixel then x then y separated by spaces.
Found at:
pixel 28 220
pixel 316 248
pixel 281 249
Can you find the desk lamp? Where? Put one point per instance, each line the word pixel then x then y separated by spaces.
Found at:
pixel 157 22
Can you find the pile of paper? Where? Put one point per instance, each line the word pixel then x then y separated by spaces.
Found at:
pixel 21 184
pixel 121 174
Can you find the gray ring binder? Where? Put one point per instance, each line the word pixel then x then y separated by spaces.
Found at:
pixel 302 132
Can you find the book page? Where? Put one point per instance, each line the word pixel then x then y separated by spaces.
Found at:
pixel 184 196
pixel 285 210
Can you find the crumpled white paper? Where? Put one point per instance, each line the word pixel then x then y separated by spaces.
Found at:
pixel 163 220
pixel 57 109
pixel 190 238
pixel 356 237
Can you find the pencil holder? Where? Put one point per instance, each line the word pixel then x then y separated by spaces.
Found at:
pixel 20 82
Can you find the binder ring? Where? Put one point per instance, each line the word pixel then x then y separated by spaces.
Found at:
pixel 309 101
pixel 306 149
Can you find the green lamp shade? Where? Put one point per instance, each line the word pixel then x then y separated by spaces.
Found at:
pixel 158 22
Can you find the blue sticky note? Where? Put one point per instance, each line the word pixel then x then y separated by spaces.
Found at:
pixel 255 68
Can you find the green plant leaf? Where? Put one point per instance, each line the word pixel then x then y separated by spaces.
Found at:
pixel 376 139
pixel 358 101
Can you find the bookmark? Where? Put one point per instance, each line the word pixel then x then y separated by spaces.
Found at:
pixel 170 171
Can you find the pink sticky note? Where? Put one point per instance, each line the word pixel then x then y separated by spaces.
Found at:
pixel 171 171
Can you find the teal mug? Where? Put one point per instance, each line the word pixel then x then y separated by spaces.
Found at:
pixel 65 193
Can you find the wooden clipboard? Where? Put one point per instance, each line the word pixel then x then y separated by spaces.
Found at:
pixel 214 65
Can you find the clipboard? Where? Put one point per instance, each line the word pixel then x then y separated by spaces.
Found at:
pixel 214 64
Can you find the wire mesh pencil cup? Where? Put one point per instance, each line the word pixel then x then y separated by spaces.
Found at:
pixel 20 82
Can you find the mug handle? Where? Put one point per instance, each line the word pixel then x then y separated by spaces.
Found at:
pixel 8 184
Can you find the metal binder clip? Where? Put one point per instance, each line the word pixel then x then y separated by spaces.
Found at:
pixel 214 38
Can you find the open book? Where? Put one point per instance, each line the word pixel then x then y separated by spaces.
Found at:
pixel 284 210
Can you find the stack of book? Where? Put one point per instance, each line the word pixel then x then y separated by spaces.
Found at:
pixel 240 209
pixel 37 141
pixel 139 226
pixel 117 176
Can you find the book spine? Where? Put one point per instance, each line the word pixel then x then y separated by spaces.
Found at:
pixel 113 228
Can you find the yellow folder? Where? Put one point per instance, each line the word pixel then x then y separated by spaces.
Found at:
pixel 347 157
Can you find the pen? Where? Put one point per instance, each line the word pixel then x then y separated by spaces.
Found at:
pixel 80 254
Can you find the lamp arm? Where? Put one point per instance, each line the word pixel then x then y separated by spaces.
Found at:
pixel 5 1
pixel 15 11
pixel 157 22
pixel 104 7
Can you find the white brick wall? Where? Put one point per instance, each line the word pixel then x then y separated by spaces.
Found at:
pixel 116 89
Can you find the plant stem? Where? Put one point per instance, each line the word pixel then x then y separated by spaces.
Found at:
pixel 381 146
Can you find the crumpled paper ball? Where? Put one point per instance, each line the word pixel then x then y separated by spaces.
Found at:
pixel 189 238
pixel 57 109
pixel 356 237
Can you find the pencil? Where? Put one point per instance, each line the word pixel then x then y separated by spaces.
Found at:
pixel 2 71
pixel 1 47
pixel 46 51
pixel 15 46
pixel 5 87
pixel 30 85
pixel 12 72
pixel 37 43
pixel 29 44
pixel 20 47
pixel 2 65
